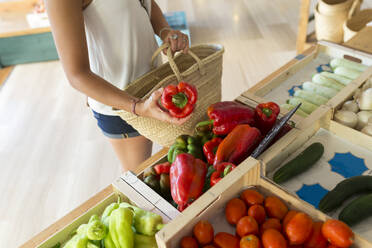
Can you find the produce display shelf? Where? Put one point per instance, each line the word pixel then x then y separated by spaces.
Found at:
pixel 211 208
pixel 158 200
pixel 281 84
pixel 319 125
pixel 347 153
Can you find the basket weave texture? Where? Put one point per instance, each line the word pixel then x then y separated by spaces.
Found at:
pixel 202 67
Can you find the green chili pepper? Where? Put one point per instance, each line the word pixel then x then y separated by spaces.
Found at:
pixel 77 241
pixel 145 222
pixel 96 230
pixel 120 227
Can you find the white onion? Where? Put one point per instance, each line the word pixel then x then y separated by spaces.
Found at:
pixel 367 129
pixel 365 100
pixel 363 117
pixel 351 106
pixel 346 118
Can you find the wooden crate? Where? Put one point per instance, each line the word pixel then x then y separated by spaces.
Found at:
pixel 119 189
pixel 160 202
pixel 347 153
pixel 211 208
pixel 279 85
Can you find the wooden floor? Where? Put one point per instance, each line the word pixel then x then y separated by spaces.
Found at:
pixel 53 156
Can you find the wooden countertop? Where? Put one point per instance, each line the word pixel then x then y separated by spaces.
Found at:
pixel 362 41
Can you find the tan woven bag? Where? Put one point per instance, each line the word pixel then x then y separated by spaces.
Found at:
pixel 202 67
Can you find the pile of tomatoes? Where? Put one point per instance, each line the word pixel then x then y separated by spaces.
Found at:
pixel 268 223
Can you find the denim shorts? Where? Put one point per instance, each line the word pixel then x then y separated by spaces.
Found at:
pixel 114 127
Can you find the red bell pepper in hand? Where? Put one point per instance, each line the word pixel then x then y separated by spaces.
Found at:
pixel 238 144
pixel 222 169
pixel 210 149
pixel 163 168
pixel 179 100
pixel 187 175
pixel 266 115
pixel 227 115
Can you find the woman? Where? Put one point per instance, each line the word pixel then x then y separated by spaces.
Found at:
pixel 104 45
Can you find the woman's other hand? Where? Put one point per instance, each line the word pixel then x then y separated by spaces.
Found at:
pixel 177 40
pixel 150 108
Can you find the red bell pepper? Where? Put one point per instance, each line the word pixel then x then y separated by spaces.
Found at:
pixel 222 169
pixel 187 175
pixel 163 168
pixel 266 115
pixel 179 100
pixel 210 149
pixel 225 116
pixel 238 144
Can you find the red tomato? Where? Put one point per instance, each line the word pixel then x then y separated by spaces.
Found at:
pixel 316 239
pixel 226 240
pixel 258 213
pixel 338 233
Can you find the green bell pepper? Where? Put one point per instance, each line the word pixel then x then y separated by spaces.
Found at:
pixel 185 144
pixel 96 230
pixel 108 210
pixel 144 241
pixel 77 241
pixel 107 242
pixel 120 227
pixel 145 222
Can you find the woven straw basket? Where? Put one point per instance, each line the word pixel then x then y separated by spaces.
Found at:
pixel 202 67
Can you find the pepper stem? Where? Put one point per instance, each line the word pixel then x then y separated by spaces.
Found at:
pixel 227 170
pixel 267 112
pixel 180 100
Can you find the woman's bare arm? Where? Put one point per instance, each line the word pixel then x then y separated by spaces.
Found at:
pixel 158 23
pixel 67 23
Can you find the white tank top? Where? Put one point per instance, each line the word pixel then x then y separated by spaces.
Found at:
pixel 120 42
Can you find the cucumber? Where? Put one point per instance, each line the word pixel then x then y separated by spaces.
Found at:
pixel 348 64
pixel 339 78
pixel 299 164
pixel 319 90
pixel 327 82
pixel 357 210
pixel 344 190
pixel 311 97
pixel 306 106
pixel 346 72
pixel 290 107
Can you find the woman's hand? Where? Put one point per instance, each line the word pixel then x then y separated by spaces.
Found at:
pixel 150 108
pixel 177 40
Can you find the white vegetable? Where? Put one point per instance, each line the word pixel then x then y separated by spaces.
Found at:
pixel 319 89
pixel 327 82
pixel 346 118
pixel 363 119
pixel 290 107
pixel 367 130
pixel 365 100
pixel 306 106
pixel 348 64
pixel 339 78
pixel 351 106
pixel 311 97
pixel 346 72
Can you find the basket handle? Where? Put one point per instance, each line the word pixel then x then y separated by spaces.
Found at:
pixel 173 64
pixel 353 9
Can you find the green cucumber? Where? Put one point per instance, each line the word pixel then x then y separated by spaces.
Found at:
pixel 319 89
pixel 311 97
pixel 327 82
pixel 357 210
pixel 338 78
pixel 344 190
pixel 347 72
pixel 348 64
pixel 306 106
pixel 300 163
pixel 290 107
